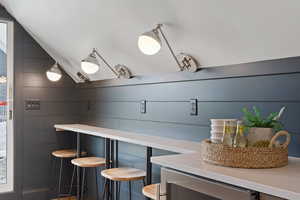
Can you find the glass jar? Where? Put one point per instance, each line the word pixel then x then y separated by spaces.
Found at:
pixel 228 133
pixel 240 140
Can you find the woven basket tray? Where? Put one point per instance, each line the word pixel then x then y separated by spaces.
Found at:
pixel 251 157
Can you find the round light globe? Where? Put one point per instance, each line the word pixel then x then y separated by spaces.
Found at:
pixel 54 74
pixel 89 67
pixel 149 43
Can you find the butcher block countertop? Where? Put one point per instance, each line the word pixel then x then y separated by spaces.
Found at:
pixel 281 182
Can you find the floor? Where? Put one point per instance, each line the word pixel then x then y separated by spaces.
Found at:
pixel 66 198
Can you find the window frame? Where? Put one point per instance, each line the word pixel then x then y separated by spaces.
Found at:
pixel 9 185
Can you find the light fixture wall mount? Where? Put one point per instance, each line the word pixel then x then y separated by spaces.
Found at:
pixel 91 64
pixel 150 43
pixel 83 77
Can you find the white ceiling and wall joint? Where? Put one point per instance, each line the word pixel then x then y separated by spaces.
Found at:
pixel 214 32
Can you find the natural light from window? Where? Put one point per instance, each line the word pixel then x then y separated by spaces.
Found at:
pixel 6 106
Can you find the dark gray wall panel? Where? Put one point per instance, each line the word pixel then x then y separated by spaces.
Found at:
pixel 257 88
pixel 32 50
pixel 168 109
pixel 49 108
pixel 50 94
pixel 165 112
pixel 40 80
pixel 35 136
pixel 39 65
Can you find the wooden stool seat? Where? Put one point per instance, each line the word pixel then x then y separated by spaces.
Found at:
pixel 123 174
pixel 66 153
pixel 151 191
pixel 89 162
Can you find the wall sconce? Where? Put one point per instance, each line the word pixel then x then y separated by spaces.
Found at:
pixel 150 43
pixel 54 73
pixel 90 65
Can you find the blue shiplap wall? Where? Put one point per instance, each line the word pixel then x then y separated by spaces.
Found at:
pixel 168 110
pixel 35 137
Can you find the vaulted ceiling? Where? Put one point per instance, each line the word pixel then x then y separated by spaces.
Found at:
pixel 213 31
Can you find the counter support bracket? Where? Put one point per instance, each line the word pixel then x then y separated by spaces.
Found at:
pixel 108 163
pixel 149 166
pixel 78 155
pixel 112 165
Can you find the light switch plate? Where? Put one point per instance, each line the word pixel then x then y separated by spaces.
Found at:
pixel 194 106
pixel 32 104
pixel 143 106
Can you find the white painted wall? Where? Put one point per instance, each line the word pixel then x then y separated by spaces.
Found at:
pixel 215 32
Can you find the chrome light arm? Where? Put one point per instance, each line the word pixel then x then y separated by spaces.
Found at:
pixel 185 62
pixel 105 62
pixel 158 28
pixel 121 71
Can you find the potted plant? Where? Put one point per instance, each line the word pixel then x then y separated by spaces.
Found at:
pixel 260 128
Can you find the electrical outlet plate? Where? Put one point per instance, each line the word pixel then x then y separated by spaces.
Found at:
pixel 194 106
pixel 32 104
pixel 143 106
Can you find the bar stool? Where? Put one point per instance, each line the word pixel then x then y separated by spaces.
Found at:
pixel 152 191
pixel 89 162
pixel 63 155
pixel 122 174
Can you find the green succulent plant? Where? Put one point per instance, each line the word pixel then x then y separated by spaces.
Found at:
pixel 255 119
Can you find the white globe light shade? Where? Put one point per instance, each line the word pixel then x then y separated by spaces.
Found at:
pixel 149 43
pixel 54 74
pixel 90 65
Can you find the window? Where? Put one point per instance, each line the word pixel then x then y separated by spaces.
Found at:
pixel 6 106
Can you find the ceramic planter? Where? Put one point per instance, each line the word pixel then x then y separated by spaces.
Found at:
pixel 259 134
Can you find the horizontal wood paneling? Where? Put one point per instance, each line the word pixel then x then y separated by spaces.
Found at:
pixel 257 88
pixel 168 109
pixel 50 94
pixel 40 65
pixel 33 50
pixel 49 108
pixel 179 112
pixel 40 80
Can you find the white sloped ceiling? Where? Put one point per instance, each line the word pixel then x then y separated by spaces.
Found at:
pixel 215 32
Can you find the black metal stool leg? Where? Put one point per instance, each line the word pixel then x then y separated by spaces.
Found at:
pixel 72 180
pixel 60 177
pixel 82 186
pixel 97 192
pixel 52 174
pixel 144 182
pixel 129 184
pixel 105 189
pixel 118 192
